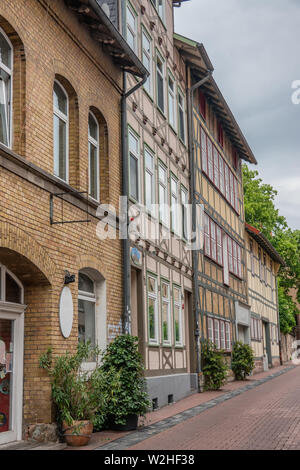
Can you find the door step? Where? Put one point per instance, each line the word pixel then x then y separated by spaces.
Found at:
pixel 31 445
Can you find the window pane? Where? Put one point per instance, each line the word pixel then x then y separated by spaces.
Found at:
pixel 13 291
pixel 160 85
pixel 134 177
pixel 93 127
pixel 149 190
pixel 85 284
pixel 60 101
pixel 177 323
pixel 5 52
pixel 3 113
pixel 60 148
pixel 130 19
pixel 131 39
pixel 94 173
pixel 133 144
pixel 165 321
pixel 181 125
pixel 152 319
pixel 151 285
pixel 86 321
pixel 148 160
pixel 176 295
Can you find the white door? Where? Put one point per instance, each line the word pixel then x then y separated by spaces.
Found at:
pixel 11 373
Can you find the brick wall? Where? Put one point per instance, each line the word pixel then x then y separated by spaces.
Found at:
pixel 50 42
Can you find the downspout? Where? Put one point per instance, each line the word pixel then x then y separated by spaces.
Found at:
pixel 278 324
pixel 124 208
pixel 190 96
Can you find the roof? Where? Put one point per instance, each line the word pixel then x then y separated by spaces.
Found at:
pixel 105 32
pixel 197 58
pixel 262 240
pixel 175 2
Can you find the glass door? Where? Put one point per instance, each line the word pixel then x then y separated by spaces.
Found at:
pixel 11 372
pixel 6 374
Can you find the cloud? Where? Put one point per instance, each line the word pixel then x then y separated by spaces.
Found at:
pixel 254 47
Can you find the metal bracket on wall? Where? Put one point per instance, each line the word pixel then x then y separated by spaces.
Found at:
pixel 62 221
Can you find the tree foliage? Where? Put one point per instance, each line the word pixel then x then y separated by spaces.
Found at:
pixel 261 212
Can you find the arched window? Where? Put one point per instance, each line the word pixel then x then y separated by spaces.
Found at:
pixel 5 89
pixel 60 131
pixel 86 309
pixel 11 289
pixel 94 171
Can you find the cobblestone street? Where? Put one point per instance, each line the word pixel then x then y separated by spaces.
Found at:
pixel 267 417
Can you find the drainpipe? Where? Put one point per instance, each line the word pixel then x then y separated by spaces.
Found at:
pixel 278 325
pixel 190 97
pixel 124 209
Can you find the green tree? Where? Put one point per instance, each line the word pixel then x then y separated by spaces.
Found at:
pixel 261 212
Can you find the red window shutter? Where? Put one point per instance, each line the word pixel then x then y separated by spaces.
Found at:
pixel 202 104
pixel 220 135
pixel 234 159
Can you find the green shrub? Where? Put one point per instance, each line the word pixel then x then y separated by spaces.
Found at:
pixel 242 360
pixel 214 366
pixel 75 393
pixel 124 387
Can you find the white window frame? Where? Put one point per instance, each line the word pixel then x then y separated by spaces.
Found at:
pixel 179 305
pixel 128 26
pixel 153 296
pixel 95 143
pixel 90 297
pixel 8 92
pixel 166 301
pixel 148 86
pixel 137 157
pixel 65 119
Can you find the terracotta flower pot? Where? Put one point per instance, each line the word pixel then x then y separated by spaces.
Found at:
pixel 78 434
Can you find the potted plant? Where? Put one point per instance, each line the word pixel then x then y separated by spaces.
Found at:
pixel 124 387
pixel 75 392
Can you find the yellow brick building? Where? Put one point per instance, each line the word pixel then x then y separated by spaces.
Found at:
pixel 60 93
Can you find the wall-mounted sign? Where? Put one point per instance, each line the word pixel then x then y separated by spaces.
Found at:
pixel 66 312
pixel 136 256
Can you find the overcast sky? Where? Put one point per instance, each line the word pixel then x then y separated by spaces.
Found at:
pixel 255 49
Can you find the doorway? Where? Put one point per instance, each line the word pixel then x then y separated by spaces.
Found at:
pixel 11 356
pixel 267 354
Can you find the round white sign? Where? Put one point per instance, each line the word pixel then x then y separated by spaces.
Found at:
pixel 66 312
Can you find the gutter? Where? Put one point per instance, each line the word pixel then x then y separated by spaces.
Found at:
pixel 190 97
pixel 124 208
pixel 140 68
